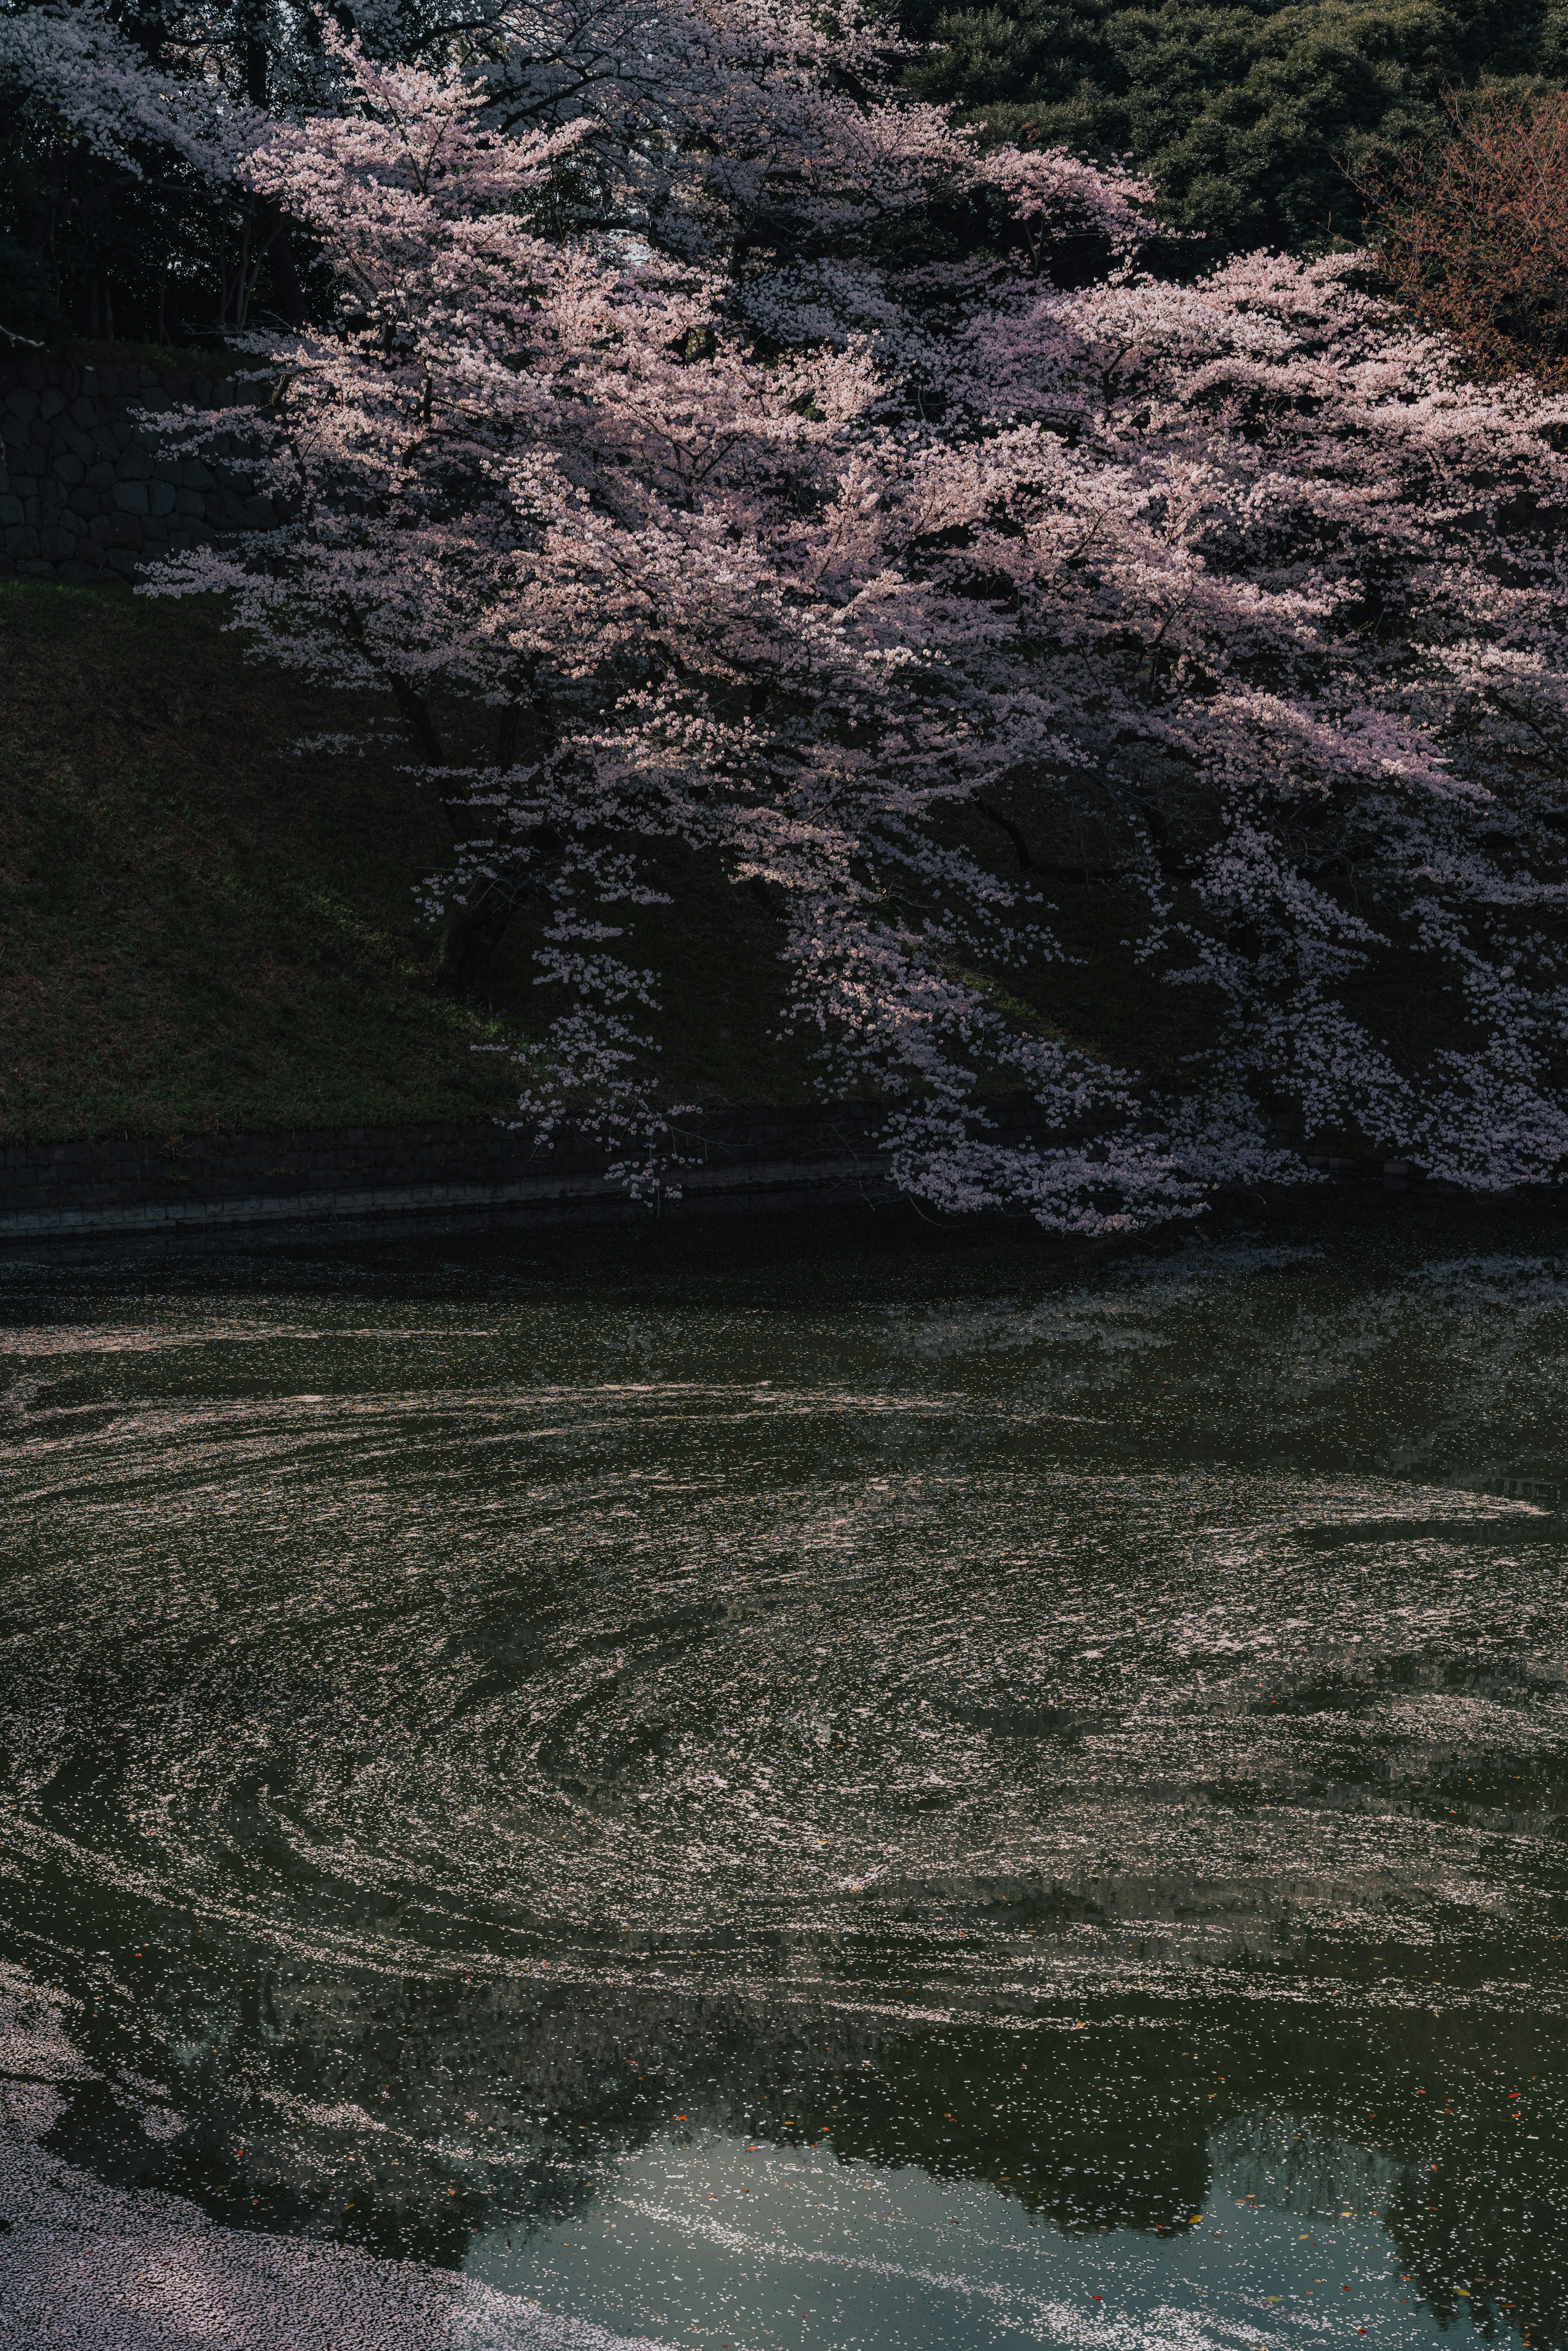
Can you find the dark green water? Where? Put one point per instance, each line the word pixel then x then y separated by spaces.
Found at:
pixel 904 1799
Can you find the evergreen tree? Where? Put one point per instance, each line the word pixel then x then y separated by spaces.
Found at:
pixel 1245 115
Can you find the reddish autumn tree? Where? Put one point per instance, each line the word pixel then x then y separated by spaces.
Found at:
pixel 1473 230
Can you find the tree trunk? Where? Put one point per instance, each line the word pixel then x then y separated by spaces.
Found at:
pixel 472 934
pixel 286 286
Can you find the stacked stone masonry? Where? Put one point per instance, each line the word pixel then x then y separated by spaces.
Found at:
pixel 86 491
pixel 469 1157
pixel 731 1156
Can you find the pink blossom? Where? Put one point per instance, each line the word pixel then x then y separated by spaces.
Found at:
pixel 925 604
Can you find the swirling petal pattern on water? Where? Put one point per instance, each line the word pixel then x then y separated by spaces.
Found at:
pixel 925 1653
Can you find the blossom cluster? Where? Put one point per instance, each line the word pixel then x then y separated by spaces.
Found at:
pixel 930 600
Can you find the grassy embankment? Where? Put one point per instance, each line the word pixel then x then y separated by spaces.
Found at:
pixel 214 360
pixel 202 931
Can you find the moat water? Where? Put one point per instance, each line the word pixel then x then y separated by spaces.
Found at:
pixel 833 1797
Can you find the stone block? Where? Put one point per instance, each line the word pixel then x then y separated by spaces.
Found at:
pixel 11 511
pixel 23 404
pixel 191 502
pixel 56 542
pixel 13 432
pixel 124 561
pixel 258 514
pixel 69 468
pixel 101 476
pixel 84 414
pixel 161 498
pixel 136 464
pixel 84 502
pixel 20 541
pixel 130 498
pixel 51 403
pixel 125 530
pixel 100 530
pixel 197 476
pixel 71 436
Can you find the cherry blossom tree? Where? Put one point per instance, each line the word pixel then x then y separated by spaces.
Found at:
pixel 77 59
pixel 1303 583
pixel 918 597
pixel 122 141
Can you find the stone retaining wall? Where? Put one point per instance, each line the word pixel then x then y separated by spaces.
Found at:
pixel 743 1158
pixel 758 1154
pixel 477 1151
pixel 84 493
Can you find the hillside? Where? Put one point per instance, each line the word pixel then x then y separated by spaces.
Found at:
pixel 203 931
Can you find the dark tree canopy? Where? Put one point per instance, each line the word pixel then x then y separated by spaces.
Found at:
pixel 1244 115
pixel 143 245
pixel 1256 122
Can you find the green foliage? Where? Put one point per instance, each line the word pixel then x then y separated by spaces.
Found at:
pixel 1244 116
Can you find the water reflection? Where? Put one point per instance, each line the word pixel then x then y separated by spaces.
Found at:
pixel 885 1802
pixel 697 2234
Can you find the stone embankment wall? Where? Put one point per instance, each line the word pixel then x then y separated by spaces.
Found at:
pixel 745 1159
pixel 748 1157
pixel 85 493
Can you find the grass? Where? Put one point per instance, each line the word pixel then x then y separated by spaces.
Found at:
pixel 201 931
pixel 204 932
